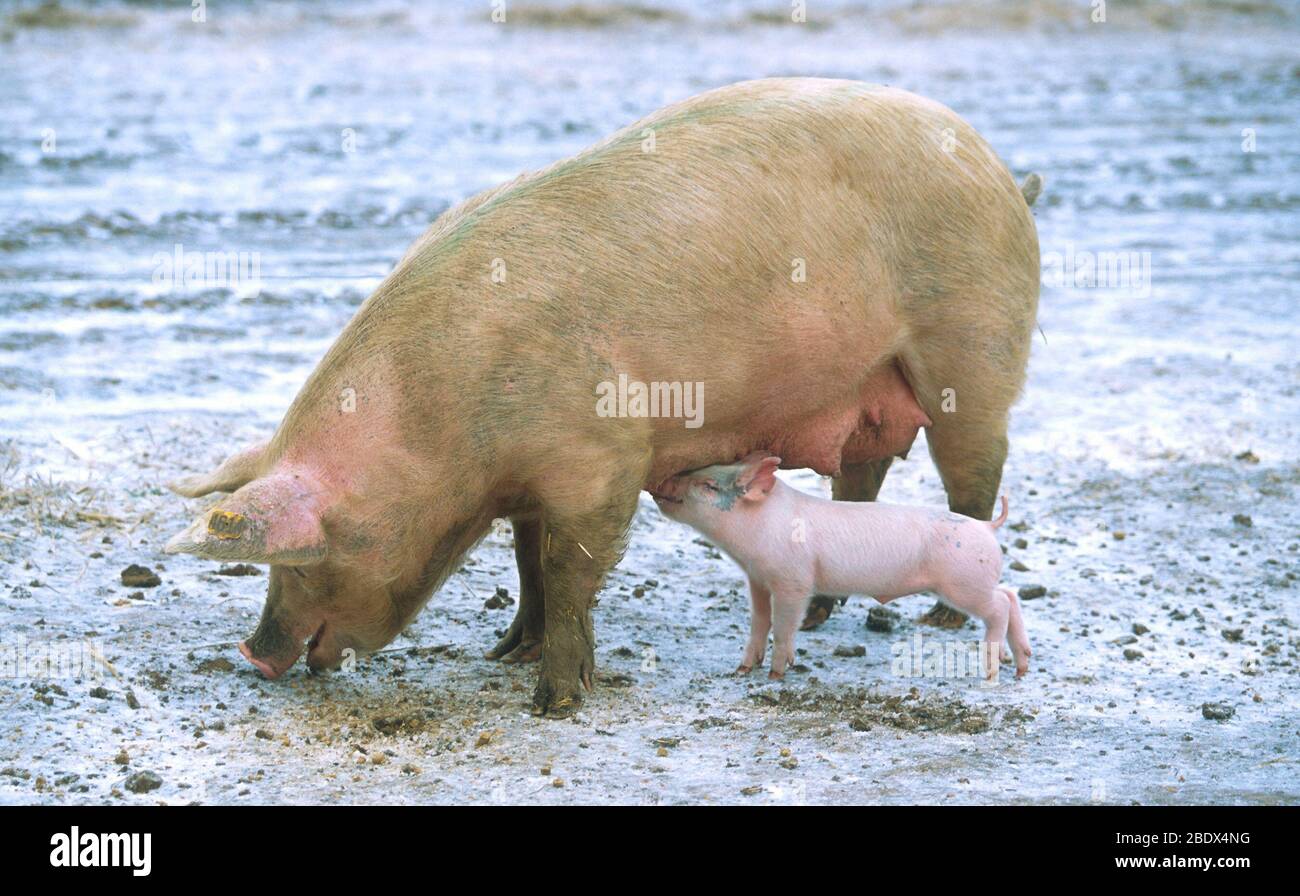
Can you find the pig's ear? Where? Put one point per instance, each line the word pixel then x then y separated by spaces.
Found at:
pixel 758 477
pixel 275 519
pixel 237 471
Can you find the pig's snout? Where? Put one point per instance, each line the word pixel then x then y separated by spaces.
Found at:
pixel 267 667
pixel 274 648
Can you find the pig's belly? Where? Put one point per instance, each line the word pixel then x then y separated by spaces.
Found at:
pixel 880 421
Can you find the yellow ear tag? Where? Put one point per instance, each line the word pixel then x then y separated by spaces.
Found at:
pixel 227 524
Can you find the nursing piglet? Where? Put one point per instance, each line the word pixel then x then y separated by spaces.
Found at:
pixel 792 545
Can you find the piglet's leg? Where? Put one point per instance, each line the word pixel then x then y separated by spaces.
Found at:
pixel 787 611
pixel 996 613
pixel 760 623
pixel 1016 633
pixel 995 609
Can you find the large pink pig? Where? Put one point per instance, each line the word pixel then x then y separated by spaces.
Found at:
pixel 821 266
pixel 792 546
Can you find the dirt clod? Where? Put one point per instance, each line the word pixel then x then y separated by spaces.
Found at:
pixel 135 576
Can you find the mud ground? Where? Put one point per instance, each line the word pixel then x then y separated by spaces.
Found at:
pixel 1150 614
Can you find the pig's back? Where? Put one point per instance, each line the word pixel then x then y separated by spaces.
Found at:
pixel 782 201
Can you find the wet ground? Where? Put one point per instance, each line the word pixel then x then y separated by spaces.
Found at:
pixel 1153 473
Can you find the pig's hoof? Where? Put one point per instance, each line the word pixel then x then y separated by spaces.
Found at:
pixel 556 702
pixel 525 652
pixel 819 610
pixel 516 646
pixel 742 669
pixel 775 675
pixel 943 616
pixel 559 696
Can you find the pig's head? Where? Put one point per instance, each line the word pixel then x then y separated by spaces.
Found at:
pixel 708 497
pixel 334 579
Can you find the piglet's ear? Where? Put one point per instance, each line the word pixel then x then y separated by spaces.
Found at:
pixel 274 519
pixel 758 476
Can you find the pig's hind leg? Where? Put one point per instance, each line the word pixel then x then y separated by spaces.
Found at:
pixel 760 623
pixel 968 438
pixel 523 640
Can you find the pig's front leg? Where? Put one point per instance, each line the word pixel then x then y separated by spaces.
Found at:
pixel 523 641
pixel 788 608
pixel 578 550
pixel 760 623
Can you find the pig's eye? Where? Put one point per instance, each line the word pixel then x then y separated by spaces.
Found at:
pixel 711 486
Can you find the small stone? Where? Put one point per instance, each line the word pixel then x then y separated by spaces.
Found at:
pixel 1217 712
pixel 1248 457
pixel 1132 654
pixel 1020 543
pixel 881 619
pixel 100 693
pixel 1018 566
pixel 1243 520
pixel 1232 634
pixel 143 782
pixel 499 600
pixel 1118 535
pixel 263 734
pixel 1140 629
pixel 140 577
pixel 123 757
pixel 1032 592
pixel 850 650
